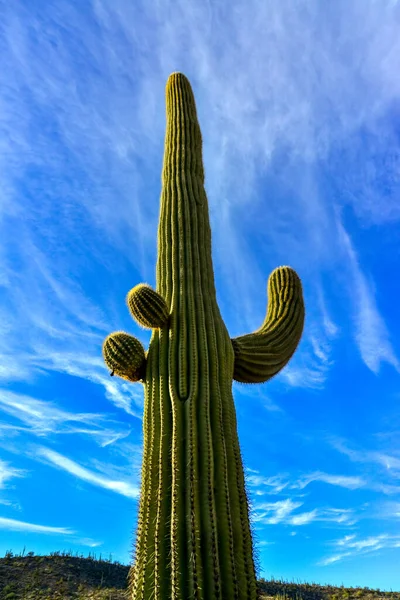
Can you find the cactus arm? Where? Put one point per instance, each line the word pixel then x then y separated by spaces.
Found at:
pixel 262 354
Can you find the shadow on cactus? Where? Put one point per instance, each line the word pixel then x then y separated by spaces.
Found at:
pixel 193 536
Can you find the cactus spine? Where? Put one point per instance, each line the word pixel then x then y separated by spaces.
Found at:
pixel 193 537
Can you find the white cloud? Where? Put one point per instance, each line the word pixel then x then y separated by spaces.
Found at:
pixel 87 542
pixel 371 542
pixel 13 525
pixel 277 483
pixel 386 489
pixel 388 510
pixel 304 518
pixel 266 485
pixel 345 540
pixel 331 329
pixel 62 462
pixel 346 481
pixel 352 546
pixel 304 376
pixel 382 468
pixel 390 463
pixel 314 358
pixel 43 418
pixel 272 513
pixel 343 516
pixel 7 472
pixel 281 512
pixel 264 543
pixel 128 397
pixel 333 559
pixel 372 336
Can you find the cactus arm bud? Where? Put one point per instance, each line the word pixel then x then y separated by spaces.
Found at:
pixel 147 306
pixel 262 354
pixel 125 356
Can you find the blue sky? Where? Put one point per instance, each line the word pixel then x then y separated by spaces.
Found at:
pixel 299 108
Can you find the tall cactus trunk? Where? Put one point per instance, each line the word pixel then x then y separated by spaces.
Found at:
pixel 193 534
pixel 193 539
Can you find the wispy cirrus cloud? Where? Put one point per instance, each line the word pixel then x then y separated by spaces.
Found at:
pixel 43 418
pixel 272 513
pixel 371 333
pixel 390 462
pixel 388 510
pixel 25 527
pixel 89 542
pixel 315 359
pixel 264 543
pixel 60 330
pixel 73 468
pixel 278 483
pixel 266 485
pixel 283 512
pixel 381 472
pixel 14 525
pixel 91 368
pixel 350 546
pixel 8 472
pixel 345 481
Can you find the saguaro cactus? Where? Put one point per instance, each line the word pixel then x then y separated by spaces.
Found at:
pixel 193 534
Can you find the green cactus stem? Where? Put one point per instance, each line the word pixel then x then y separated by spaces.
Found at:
pixel 125 356
pixel 147 307
pixel 193 537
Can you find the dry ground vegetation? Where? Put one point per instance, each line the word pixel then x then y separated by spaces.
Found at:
pixel 65 576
